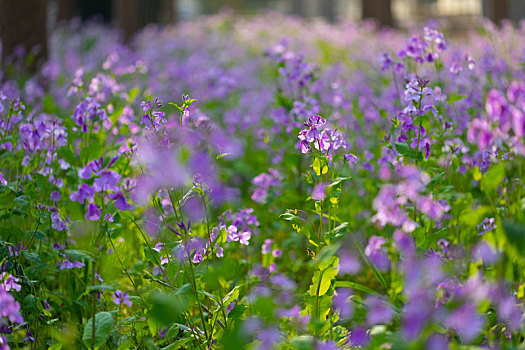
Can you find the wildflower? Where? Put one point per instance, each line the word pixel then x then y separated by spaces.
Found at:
pixel 93 212
pixel 9 308
pixel 319 192
pixel 267 246
pixel 84 192
pixel 55 196
pixel 66 264
pixel 9 282
pixel 378 311
pixel 342 303
pixel 120 297
pixel 108 180
pixel 120 201
pixel 486 225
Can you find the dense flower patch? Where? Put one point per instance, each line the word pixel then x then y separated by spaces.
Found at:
pixel 264 183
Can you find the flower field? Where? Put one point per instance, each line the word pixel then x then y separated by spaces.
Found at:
pixel 265 183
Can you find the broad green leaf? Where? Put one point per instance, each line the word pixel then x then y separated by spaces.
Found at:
pixel 317 166
pixel 515 233
pixel 103 325
pixel 231 296
pixel 405 150
pixel 318 307
pixel 322 279
pixel 474 217
pixel 166 309
pixel 493 178
pixel 237 311
pixel 76 254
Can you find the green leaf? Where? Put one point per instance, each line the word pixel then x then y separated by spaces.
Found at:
pixel 405 150
pixel 318 306
pixel 231 296
pixel 317 166
pixel 212 297
pixel 356 286
pixel 166 309
pixel 322 279
pixel 101 287
pixel 515 233
pixel 32 257
pixel 178 344
pixel 222 155
pixel 493 178
pixel 302 342
pixel 473 217
pixel 103 325
pixel 237 311
pixel 453 98
pixel 76 254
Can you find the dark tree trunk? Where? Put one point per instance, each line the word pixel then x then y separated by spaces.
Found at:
pixel 166 15
pixel 298 7
pixel 328 10
pixel 126 16
pixel 23 24
pixel 498 10
pixel 67 9
pixel 380 10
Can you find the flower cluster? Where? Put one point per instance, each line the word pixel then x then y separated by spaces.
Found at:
pixel 264 182
pixel 392 199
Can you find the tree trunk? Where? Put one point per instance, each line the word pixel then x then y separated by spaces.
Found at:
pixel 498 10
pixel 380 10
pixel 298 7
pixel 126 16
pixel 328 10
pixel 167 12
pixel 67 9
pixel 23 24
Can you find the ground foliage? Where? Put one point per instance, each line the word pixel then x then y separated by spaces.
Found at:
pixel 264 183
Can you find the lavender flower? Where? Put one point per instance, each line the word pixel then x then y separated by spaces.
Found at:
pixel 120 297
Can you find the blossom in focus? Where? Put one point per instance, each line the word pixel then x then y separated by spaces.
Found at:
pixel 120 297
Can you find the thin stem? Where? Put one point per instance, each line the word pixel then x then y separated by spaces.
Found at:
pixel 151 251
pixel 124 268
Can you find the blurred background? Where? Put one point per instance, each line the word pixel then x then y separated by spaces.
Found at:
pixel 26 23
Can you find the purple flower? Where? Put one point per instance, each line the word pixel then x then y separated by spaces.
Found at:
pixel 376 254
pixel 108 217
pixel 3 340
pixel 342 303
pixel 120 201
pixel 108 180
pixel 378 311
pixel 358 336
pixel 55 196
pixel 466 321
pixel 120 297
pixel 84 192
pixel 9 283
pixel 57 223
pixel 318 194
pixel 93 212
pixel 268 337
pixel 9 308
pixel 267 246
pixel 486 225
pixel 484 252
pixel 66 264
pixel 263 182
pixel 86 172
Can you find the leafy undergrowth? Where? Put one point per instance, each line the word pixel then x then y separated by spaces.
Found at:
pixel 315 187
